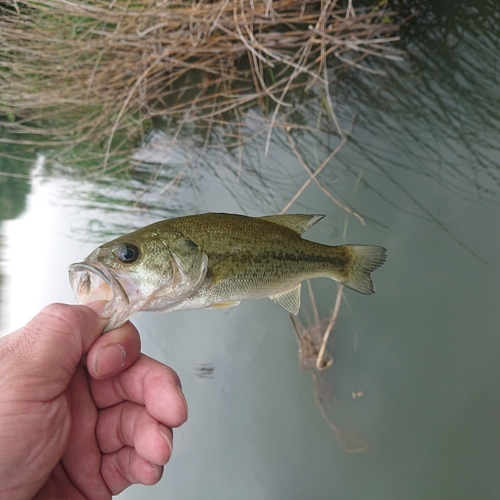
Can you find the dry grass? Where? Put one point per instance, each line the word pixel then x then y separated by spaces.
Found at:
pixel 95 73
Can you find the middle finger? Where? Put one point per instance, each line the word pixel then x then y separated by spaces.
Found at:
pixel 149 383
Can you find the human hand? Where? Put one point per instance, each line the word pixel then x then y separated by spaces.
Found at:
pixel 82 415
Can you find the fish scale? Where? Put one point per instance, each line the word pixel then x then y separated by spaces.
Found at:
pixel 217 260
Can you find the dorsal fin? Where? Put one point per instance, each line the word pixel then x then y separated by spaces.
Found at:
pixel 290 299
pixel 299 223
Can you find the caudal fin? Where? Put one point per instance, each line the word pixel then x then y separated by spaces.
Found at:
pixel 364 259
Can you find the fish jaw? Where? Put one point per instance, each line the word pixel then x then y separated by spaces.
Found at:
pixel 91 282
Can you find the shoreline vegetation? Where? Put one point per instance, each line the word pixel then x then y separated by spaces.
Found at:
pixel 86 82
pixel 89 79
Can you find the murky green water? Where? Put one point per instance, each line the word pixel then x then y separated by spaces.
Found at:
pixel 421 355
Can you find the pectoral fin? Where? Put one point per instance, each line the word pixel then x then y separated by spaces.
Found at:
pixel 290 300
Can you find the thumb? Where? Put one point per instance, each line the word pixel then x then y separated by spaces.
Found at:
pixel 51 345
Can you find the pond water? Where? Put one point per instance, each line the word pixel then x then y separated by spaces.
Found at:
pixel 416 378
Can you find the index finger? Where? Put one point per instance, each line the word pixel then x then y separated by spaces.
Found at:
pixel 149 383
pixel 56 338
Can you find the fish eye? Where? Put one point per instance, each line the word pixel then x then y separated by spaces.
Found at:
pixel 128 253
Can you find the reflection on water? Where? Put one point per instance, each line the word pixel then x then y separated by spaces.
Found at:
pixel 441 99
pixel 205 370
pixel 14 182
pixel 314 357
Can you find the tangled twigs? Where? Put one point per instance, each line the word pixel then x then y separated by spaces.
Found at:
pixel 98 71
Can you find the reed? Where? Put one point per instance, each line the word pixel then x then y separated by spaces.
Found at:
pixel 95 75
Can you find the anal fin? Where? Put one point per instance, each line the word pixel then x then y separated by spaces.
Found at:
pixel 290 299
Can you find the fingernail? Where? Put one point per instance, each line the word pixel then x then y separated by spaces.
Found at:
pixel 158 470
pixel 109 359
pixel 184 401
pixel 166 435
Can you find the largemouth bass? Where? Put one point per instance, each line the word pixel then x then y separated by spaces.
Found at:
pixel 216 260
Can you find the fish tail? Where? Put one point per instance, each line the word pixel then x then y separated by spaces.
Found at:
pixel 360 261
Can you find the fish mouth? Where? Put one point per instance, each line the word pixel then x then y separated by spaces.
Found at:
pixel 91 282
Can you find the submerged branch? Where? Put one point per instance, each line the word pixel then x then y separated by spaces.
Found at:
pixel 314 357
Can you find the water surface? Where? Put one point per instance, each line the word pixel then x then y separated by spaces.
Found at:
pixel 421 167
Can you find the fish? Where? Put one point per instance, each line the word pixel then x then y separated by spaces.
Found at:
pixel 216 260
